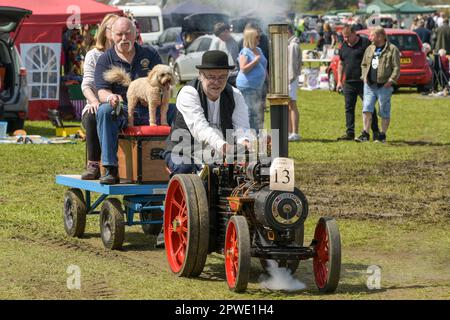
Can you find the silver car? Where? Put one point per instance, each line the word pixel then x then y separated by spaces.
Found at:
pixel 184 67
pixel 13 87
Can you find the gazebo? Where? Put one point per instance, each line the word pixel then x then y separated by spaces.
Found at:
pixel 407 7
pixel 378 7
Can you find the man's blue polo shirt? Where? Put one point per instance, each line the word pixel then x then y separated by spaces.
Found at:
pixel 144 60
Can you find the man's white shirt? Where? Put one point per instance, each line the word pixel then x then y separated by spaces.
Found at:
pixel 205 130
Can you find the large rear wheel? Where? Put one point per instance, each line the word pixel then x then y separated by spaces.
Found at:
pixel 184 226
pixel 203 213
pixel 327 259
pixel 237 254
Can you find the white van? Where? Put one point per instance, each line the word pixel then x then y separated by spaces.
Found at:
pixel 149 19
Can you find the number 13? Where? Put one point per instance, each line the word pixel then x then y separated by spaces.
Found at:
pixel 286 176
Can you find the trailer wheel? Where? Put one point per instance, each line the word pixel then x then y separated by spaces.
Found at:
pixel 237 254
pixel 112 224
pixel 74 214
pixel 181 225
pixel 154 214
pixel 327 260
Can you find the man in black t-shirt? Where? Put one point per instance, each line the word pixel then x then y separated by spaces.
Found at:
pixel 351 56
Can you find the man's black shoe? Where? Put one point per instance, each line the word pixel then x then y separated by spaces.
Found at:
pixel 376 135
pixel 364 137
pixel 346 137
pixel 111 176
pixel 381 138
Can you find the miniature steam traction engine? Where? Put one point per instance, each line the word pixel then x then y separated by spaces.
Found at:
pixel 241 215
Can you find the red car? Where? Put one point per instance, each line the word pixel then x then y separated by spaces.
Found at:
pixel 414 68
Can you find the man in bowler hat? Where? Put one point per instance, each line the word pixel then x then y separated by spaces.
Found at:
pixel 206 108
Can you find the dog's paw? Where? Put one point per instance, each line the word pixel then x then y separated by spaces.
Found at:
pixel 164 124
pixel 152 124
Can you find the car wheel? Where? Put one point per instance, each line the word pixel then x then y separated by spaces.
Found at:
pixel 176 73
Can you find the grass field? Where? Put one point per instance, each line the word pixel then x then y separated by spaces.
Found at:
pixel 391 201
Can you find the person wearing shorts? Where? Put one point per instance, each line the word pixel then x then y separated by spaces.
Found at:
pixel 294 70
pixel 380 72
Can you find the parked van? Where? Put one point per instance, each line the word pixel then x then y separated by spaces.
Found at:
pixel 13 76
pixel 149 19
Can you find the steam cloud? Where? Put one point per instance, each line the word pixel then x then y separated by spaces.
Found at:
pixel 264 10
pixel 280 279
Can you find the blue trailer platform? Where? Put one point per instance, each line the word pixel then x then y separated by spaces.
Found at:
pixel 144 199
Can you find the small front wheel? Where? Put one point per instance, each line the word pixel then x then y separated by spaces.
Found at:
pixel 112 224
pixel 237 254
pixel 152 215
pixel 327 259
pixel 74 213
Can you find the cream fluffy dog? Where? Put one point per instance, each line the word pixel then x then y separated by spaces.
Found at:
pixel 153 90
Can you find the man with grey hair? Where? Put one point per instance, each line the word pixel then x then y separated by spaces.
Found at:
pixel 137 61
pixel 380 72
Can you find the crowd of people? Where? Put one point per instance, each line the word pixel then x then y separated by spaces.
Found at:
pixel 236 75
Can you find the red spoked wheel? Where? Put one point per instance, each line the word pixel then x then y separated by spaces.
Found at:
pixel 237 254
pixel 327 259
pixel 186 225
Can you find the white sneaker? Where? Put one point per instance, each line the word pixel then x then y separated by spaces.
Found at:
pixel 294 137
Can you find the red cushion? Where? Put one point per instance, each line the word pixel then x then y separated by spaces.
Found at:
pixel 147 131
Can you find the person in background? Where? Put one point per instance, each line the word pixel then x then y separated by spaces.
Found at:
pixel 414 24
pixel 264 46
pixel 380 71
pixel 430 24
pixel 423 33
pixel 430 60
pixel 443 37
pixel 251 77
pixel 444 63
pixel 294 71
pixel 358 25
pixel 88 119
pixel 350 58
pixel 440 19
pixel 327 38
pixel 223 41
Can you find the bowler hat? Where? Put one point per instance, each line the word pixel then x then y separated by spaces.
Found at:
pixel 214 59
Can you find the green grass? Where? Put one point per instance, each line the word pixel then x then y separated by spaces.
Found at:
pixel 391 201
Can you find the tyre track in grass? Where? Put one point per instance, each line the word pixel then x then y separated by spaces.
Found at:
pixel 137 260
